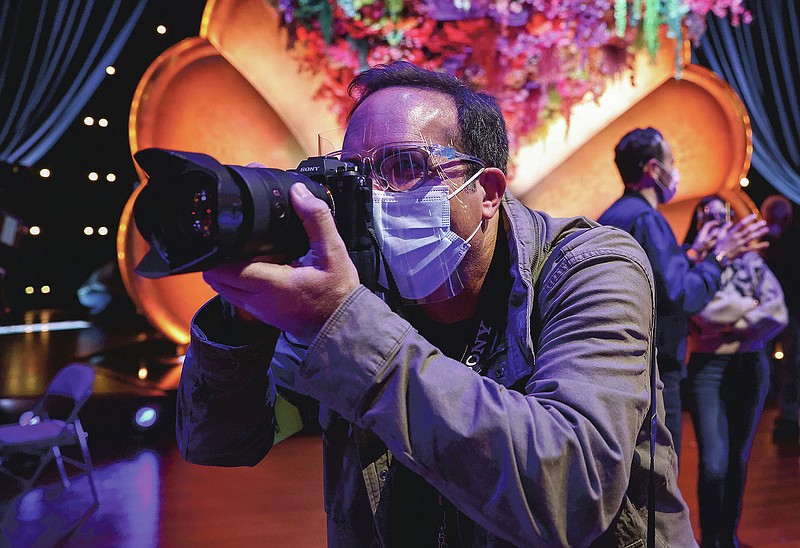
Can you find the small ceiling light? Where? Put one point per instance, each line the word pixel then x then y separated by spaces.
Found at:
pixel 111 177
pixel 778 355
pixel 744 182
pixel 29 290
pixel 110 69
pixel 88 231
pixel 34 231
pixel 102 122
pixel 45 289
pixel 88 121
pixel 102 231
pixel 93 176
pixel 44 173
pixel 143 373
pixel 161 29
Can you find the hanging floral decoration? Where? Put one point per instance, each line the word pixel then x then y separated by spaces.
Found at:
pixel 538 57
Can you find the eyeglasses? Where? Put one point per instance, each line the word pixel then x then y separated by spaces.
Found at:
pixel 403 166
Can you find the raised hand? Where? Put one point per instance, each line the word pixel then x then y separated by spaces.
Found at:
pixel 734 241
pixel 706 238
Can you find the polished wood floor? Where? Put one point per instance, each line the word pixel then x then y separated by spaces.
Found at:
pixel 151 497
pixel 771 506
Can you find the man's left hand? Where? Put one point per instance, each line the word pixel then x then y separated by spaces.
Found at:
pixel 297 298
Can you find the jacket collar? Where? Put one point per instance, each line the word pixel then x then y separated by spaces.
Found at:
pixel 532 237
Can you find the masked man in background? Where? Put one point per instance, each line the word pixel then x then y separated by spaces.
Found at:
pixel 506 400
pixel 685 280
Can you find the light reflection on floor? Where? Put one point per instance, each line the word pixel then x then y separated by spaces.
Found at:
pixel 150 496
pixel 38 345
pixel 43 327
pixel 128 514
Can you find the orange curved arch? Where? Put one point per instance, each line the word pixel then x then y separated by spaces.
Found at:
pixel 234 92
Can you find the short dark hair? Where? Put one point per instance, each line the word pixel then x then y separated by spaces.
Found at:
pixel 481 127
pixel 634 150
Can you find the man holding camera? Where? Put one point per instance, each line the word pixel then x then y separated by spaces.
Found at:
pixel 504 397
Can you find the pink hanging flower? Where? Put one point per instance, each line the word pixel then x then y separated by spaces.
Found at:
pixel 538 57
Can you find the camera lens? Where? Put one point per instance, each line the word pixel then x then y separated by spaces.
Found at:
pixel 195 212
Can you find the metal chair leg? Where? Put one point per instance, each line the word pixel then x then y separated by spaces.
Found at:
pixel 60 463
pixel 86 458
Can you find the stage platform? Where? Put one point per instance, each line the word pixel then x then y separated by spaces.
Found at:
pixel 149 496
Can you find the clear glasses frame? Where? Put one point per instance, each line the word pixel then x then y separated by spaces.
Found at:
pixel 407 165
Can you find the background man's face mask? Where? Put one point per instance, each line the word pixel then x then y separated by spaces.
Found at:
pixel 666 191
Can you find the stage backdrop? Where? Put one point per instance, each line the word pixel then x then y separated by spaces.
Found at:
pixel 243 91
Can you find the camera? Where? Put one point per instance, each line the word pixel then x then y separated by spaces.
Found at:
pixel 195 212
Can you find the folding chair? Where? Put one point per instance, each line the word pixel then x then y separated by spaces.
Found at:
pixel 52 424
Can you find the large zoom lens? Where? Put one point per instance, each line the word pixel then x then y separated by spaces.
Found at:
pixel 195 212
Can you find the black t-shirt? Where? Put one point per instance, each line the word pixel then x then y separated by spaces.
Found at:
pixel 417 513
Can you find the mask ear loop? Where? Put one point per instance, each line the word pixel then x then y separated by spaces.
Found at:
pixel 459 189
pixel 657 180
pixel 466 183
pixel 477 228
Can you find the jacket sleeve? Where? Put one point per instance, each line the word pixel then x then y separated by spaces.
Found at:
pixel 226 398
pixel 683 285
pixel 765 320
pixel 726 308
pixel 548 467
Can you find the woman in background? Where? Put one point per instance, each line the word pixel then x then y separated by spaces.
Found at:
pixel 729 377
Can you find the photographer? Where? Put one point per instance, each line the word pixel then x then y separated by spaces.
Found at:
pixel 506 400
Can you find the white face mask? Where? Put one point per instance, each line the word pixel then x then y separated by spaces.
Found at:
pixel 422 253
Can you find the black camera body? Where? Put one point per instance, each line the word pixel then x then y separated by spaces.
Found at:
pixel 195 212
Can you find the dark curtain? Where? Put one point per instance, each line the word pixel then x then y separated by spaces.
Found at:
pixel 760 61
pixel 53 56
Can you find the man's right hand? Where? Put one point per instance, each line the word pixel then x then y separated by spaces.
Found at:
pixel 299 297
pixel 734 241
